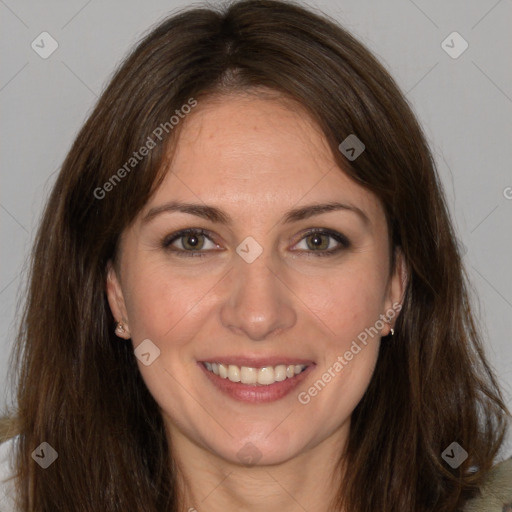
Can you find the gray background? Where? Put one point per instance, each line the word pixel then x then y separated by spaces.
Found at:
pixel 464 104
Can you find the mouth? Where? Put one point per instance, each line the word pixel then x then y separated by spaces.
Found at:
pixel 253 376
pixel 257 383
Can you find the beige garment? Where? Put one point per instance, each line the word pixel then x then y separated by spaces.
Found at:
pixel 496 495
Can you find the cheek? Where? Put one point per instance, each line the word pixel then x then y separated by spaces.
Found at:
pixel 163 303
pixel 348 307
pixel 346 301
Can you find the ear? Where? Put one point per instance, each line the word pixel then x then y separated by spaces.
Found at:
pixel 116 300
pixel 396 291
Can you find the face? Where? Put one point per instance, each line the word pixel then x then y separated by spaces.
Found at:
pixel 287 300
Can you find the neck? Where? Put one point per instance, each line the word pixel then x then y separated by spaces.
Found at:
pixel 308 481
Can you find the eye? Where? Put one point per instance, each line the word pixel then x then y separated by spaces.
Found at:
pixel 193 242
pixel 189 242
pixel 324 242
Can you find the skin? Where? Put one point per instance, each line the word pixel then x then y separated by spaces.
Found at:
pixel 255 158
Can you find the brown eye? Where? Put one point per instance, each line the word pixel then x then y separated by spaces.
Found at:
pixel 323 242
pixel 192 241
pixel 189 242
pixel 317 241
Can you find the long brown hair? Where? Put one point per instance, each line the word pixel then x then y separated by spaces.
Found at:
pixel 79 388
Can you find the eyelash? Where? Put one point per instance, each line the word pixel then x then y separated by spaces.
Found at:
pixel 167 241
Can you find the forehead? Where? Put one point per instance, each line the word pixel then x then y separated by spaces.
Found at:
pixel 245 150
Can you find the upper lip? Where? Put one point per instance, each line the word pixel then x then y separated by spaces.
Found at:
pixel 257 362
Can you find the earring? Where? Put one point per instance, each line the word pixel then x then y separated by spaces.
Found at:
pixel 120 329
pixel 392 331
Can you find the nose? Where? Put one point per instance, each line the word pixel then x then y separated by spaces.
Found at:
pixel 258 303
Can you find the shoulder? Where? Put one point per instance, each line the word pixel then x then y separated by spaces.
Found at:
pixel 496 494
pixel 6 474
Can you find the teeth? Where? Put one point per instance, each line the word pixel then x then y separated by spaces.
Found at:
pixel 254 376
pixel 233 373
pixel 223 371
pixel 266 375
pixel 280 372
pixel 248 375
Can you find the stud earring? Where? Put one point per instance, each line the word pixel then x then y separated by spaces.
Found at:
pixel 120 329
pixel 392 331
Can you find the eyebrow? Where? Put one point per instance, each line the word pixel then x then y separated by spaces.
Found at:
pixel 216 215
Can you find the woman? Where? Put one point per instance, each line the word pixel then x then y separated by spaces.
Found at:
pixel 246 292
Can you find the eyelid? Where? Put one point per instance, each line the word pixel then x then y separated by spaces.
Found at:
pixel 342 240
pixel 339 237
pixel 170 239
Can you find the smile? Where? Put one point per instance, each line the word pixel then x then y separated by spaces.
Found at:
pixel 264 376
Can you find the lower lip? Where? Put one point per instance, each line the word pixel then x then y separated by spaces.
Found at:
pixel 256 394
